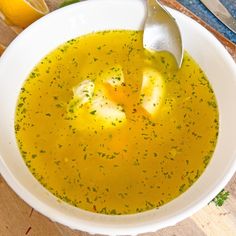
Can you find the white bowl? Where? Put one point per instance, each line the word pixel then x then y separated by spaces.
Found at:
pixel 54 29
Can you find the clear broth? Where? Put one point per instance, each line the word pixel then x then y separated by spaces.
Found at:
pixel 111 128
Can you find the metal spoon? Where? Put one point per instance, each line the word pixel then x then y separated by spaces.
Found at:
pixel 161 32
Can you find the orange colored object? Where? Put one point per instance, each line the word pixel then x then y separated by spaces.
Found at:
pixel 23 12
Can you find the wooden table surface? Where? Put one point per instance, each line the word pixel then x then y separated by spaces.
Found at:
pixel 19 219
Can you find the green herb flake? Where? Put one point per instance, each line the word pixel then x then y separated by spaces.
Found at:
pixel 93 112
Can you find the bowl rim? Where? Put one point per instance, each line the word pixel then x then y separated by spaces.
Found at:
pixel 55 214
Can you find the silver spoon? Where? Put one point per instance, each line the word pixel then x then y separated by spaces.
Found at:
pixel 161 32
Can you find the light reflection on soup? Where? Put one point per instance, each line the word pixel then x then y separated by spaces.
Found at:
pixel 111 128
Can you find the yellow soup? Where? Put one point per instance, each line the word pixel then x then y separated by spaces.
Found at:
pixel 112 128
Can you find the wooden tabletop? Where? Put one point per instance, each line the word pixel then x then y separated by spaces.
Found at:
pixel 19 219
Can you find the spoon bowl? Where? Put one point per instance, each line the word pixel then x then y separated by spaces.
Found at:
pixel 161 32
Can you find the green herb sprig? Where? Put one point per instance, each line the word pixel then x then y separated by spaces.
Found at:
pixel 68 2
pixel 220 199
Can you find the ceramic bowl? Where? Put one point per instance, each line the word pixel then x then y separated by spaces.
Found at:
pixel 82 18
